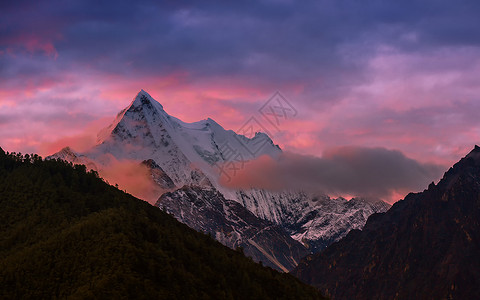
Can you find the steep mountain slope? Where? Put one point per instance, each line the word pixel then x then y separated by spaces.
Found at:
pixel 314 220
pixel 64 233
pixel 205 209
pixel 425 247
pixel 197 154
pixel 158 175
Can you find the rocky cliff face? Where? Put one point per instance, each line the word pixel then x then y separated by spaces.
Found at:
pixel 158 175
pixel 314 220
pixel 206 210
pixel 425 247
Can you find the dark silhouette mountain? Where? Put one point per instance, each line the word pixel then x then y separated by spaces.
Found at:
pixel 426 246
pixel 65 233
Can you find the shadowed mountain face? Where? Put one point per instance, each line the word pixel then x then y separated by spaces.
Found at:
pixel 426 246
pixel 206 210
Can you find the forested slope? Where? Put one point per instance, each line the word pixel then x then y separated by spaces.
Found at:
pixel 65 233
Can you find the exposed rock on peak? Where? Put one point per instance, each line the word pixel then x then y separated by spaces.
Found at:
pixel 144 100
pixel 158 175
pixel 205 209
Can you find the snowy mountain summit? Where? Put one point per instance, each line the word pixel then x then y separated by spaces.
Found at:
pixel 144 130
pixel 185 156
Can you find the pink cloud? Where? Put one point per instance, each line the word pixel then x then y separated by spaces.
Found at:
pixel 421 112
pixel 133 177
pixel 80 142
pixel 30 43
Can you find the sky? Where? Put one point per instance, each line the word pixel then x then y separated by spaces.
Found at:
pixel 400 76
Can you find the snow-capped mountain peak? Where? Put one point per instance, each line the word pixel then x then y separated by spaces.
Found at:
pixel 144 130
pixel 143 98
pixel 143 104
pixel 178 154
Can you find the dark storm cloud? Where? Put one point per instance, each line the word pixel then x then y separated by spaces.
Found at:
pixel 357 171
pixel 272 41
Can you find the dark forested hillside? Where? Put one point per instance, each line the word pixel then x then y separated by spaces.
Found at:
pixel 64 233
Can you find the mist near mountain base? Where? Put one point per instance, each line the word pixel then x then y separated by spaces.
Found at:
pixel 132 177
pixel 350 170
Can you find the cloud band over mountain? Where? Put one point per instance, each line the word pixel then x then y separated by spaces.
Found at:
pixel 354 171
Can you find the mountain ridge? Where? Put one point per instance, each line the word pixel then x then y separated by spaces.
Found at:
pixel 426 246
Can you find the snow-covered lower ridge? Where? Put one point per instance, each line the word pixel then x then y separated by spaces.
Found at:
pixel 178 154
pixel 315 220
